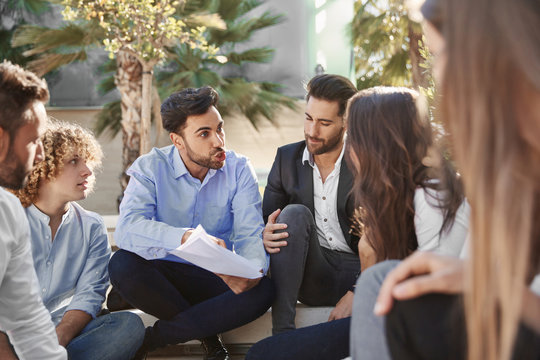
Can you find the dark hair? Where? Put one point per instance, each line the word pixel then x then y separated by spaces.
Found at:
pixel 19 88
pixel 177 107
pixel 331 88
pixel 390 141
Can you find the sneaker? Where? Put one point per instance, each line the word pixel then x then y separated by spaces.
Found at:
pixel 214 349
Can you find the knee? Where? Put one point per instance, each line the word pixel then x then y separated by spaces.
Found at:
pixel 375 275
pixel 129 327
pixel 294 213
pixel 121 265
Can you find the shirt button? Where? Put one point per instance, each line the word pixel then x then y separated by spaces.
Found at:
pixel 325 220
pixel 329 239
pixel 48 263
pixel 324 197
pixel 47 237
pixel 43 290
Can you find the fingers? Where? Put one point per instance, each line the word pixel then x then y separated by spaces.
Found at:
pixel 273 216
pixel 415 264
pixel 271 227
pixel 332 316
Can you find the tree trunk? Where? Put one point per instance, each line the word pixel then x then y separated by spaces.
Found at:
pixel 418 76
pixel 146 107
pixel 128 80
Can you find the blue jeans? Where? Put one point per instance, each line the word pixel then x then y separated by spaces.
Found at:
pixel 325 341
pixel 190 302
pixel 115 336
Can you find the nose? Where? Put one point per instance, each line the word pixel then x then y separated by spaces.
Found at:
pixel 219 140
pixel 39 153
pixel 312 129
pixel 86 171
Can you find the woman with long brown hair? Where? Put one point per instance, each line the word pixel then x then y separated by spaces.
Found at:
pixel 487 64
pixel 407 194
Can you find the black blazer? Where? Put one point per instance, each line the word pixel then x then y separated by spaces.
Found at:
pixel 291 182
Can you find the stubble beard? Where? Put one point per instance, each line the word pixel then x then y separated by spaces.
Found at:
pixel 13 173
pixel 324 147
pixel 206 161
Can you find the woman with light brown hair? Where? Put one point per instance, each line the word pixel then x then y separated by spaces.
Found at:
pixel 487 65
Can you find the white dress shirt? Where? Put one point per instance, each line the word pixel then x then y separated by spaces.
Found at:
pixel 325 205
pixel 22 314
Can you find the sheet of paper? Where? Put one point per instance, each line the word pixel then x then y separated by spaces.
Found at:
pixel 200 250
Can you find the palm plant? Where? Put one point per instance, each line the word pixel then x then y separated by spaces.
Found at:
pixel 189 67
pixel 14 13
pixel 387 45
pixel 186 66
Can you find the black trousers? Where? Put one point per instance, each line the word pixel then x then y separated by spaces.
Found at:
pixel 433 327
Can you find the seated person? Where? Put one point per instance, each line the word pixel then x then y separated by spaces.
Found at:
pixel 308 208
pixel 403 205
pixel 483 307
pixel 22 123
pixel 71 251
pixel 172 190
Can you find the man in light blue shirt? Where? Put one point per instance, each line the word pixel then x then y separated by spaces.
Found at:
pixel 171 191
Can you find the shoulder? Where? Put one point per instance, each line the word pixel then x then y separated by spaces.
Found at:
pixel 291 152
pixel 88 218
pixel 237 164
pixel 293 148
pixel 157 158
pixel 10 207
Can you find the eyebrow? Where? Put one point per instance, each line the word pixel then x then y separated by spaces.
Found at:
pixel 207 127
pixel 319 119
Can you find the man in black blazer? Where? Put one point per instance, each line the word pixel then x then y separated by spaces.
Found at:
pixel 308 209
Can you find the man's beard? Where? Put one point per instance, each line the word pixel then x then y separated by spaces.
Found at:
pixel 208 162
pixel 324 147
pixel 13 173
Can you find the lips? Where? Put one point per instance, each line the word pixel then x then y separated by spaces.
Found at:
pixel 221 156
pixel 83 185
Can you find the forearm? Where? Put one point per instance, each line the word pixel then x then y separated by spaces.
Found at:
pixel 71 325
pixel 6 351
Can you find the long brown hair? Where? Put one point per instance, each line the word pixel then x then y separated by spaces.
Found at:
pixel 386 143
pixel 490 97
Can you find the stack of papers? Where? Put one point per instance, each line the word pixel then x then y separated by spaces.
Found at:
pixel 202 251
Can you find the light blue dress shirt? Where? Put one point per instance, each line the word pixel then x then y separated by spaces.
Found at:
pixel 72 269
pixel 163 200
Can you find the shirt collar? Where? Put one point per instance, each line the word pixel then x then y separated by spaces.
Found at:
pixel 307 156
pixel 45 218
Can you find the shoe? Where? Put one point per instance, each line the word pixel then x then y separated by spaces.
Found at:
pixel 115 301
pixel 214 349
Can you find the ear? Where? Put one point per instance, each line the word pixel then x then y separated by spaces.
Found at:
pixel 4 144
pixel 177 140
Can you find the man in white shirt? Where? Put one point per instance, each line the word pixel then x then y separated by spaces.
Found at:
pixel 23 317
pixel 308 210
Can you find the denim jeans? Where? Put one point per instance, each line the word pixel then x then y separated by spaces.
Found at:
pixel 190 302
pixel 368 341
pixel 115 336
pixel 325 341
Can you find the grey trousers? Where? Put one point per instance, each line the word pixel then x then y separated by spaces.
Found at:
pixel 305 271
pixel 367 337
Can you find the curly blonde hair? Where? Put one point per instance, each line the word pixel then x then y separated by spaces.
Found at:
pixel 61 141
